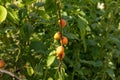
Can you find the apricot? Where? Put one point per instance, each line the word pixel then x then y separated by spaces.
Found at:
pixel 2 64
pixel 57 36
pixel 63 23
pixel 59 50
pixel 64 40
pixel 60 56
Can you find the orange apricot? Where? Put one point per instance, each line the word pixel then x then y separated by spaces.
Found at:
pixel 60 56
pixel 64 40
pixel 63 23
pixel 59 50
pixel 57 36
pixel 2 64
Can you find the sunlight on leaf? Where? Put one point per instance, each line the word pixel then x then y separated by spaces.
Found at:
pixel 51 58
pixel 3 14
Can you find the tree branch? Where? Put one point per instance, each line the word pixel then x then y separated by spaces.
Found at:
pixel 10 74
pixel 60 18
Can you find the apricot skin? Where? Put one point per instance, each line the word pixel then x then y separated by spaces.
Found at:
pixel 57 36
pixel 64 40
pixel 60 52
pixel 2 64
pixel 63 23
pixel 59 49
pixel 60 56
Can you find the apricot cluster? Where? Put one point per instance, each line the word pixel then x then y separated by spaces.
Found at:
pixel 63 40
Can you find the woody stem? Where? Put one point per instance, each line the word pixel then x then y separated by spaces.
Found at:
pixel 60 18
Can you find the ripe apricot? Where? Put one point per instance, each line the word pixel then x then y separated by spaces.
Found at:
pixel 57 36
pixel 63 23
pixel 64 40
pixel 60 56
pixel 2 64
pixel 59 50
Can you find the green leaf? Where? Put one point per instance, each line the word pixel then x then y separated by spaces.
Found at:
pixel 28 1
pixel 111 73
pixel 95 64
pixel 98 64
pixel 22 13
pixel 71 36
pixel 39 69
pixel 51 58
pixel 50 78
pixel 30 71
pixel 39 4
pixel 26 31
pixel 50 5
pixel 83 25
pixel 115 41
pixel 13 16
pixel 34 15
pixel 38 46
pixel 13 6
pixel 3 13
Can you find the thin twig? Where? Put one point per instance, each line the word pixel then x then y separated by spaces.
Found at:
pixel 60 18
pixel 59 67
pixel 10 74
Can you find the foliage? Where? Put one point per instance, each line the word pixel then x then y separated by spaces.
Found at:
pixel 28 47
